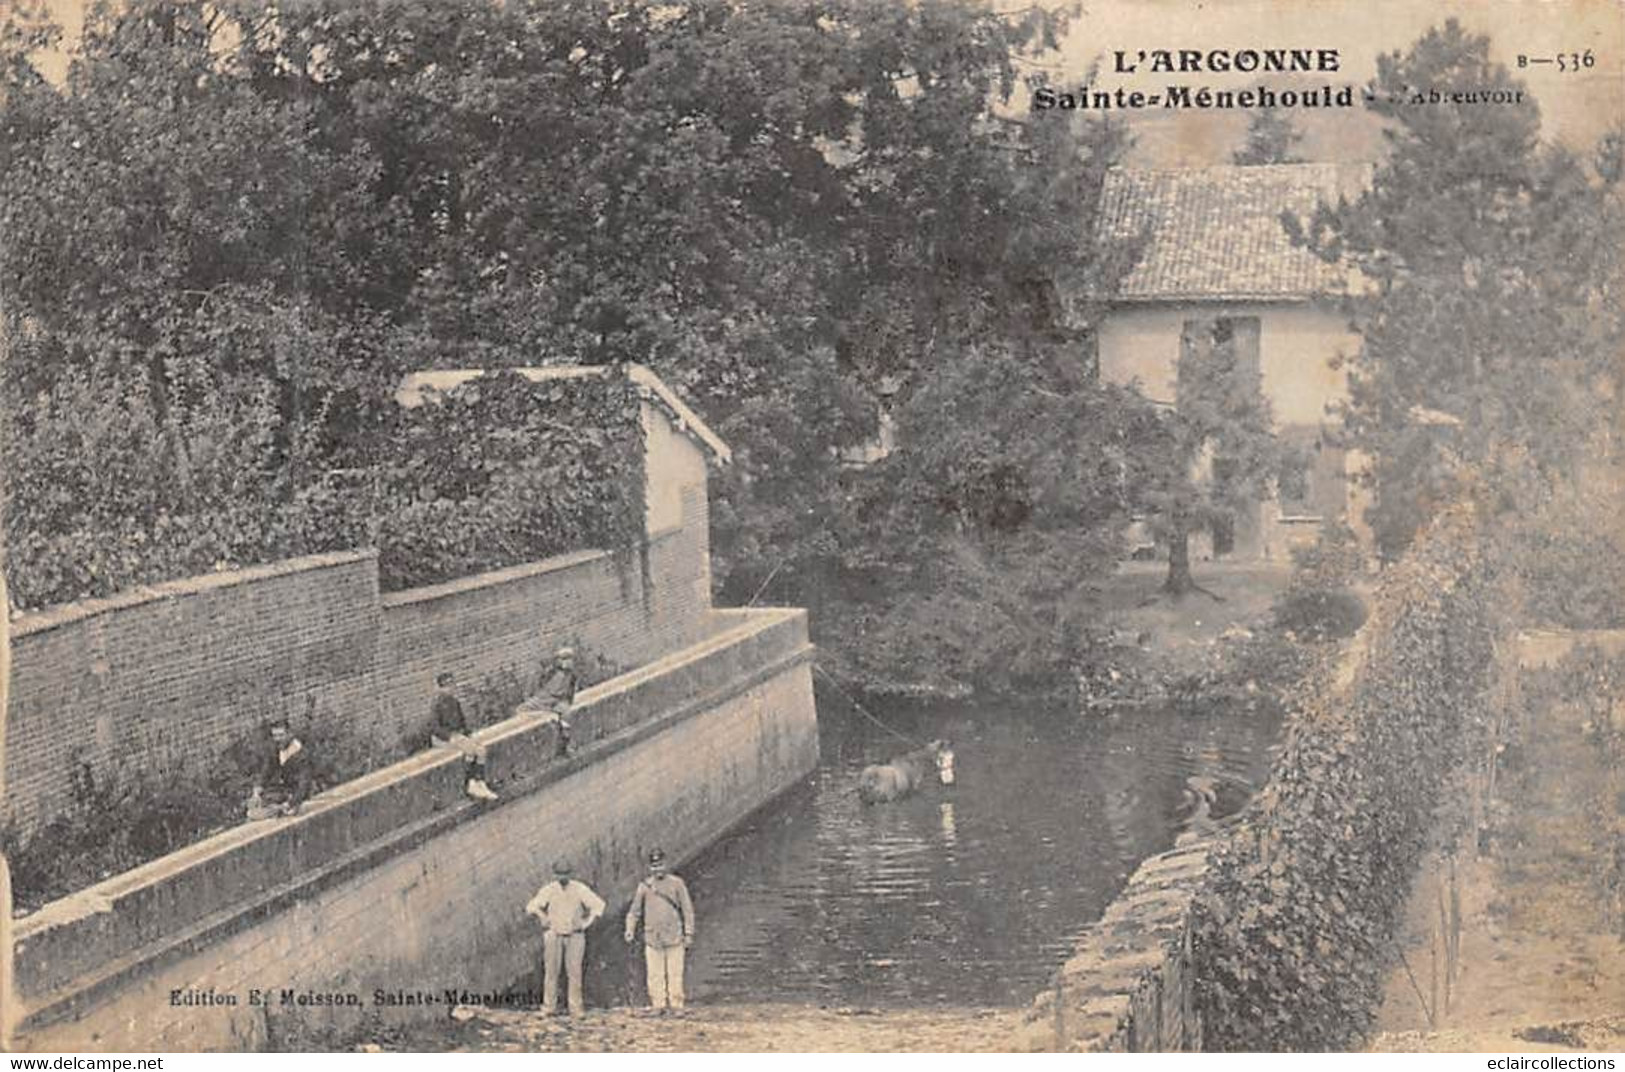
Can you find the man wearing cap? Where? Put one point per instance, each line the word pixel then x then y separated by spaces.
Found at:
pixel 662 904
pixel 566 908
pixel 558 693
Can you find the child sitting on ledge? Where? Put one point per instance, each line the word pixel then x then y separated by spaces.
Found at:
pixel 285 776
pixel 449 726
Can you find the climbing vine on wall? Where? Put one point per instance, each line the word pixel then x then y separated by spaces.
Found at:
pixel 1291 929
pixel 502 470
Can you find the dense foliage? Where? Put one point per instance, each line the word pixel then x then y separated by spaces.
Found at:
pixel 980 553
pixel 1215 453
pixel 234 227
pixel 1568 556
pixel 501 471
pixel 1292 922
pixel 1491 313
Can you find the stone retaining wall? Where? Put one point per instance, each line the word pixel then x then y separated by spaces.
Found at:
pixel 1127 988
pixel 396 882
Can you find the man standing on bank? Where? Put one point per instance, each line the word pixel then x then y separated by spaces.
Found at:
pixel 566 908
pixel 662 904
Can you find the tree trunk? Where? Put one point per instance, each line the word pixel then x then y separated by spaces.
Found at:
pixel 1179 579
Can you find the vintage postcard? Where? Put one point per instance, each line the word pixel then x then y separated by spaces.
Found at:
pixel 918 525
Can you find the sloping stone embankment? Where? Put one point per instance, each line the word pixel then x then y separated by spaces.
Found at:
pixel 1126 989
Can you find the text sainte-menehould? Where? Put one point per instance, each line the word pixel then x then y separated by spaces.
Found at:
pixel 1217 61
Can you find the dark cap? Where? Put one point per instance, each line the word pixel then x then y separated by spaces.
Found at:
pixel 562 867
pixel 656 857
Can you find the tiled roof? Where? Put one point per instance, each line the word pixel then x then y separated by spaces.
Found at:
pixel 1215 232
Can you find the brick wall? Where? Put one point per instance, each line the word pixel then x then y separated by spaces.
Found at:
pixel 168 678
pixel 496 631
pixel 396 882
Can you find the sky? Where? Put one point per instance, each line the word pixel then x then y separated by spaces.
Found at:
pixel 1575 108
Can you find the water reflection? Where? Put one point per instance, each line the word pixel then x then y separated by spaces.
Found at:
pixel 970 894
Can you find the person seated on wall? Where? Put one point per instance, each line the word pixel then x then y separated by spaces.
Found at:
pixel 558 694
pixel 449 726
pixel 284 779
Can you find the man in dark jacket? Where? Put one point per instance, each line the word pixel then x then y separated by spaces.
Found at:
pixel 448 726
pixel 284 779
pixel 558 694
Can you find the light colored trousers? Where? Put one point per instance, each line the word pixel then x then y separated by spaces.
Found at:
pixel 665 968
pixel 562 952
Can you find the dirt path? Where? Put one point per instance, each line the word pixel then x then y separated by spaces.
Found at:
pixel 723 1029
pixel 1540 963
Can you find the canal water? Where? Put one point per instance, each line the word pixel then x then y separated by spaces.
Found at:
pixel 970 894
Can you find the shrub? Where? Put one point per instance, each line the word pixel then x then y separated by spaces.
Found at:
pixel 503 471
pixel 1320 613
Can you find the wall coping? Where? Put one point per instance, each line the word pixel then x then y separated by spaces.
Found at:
pixel 427 788
pixel 61 614
pixel 1537 647
pixel 1121 960
pixel 475 581
pixel 31 622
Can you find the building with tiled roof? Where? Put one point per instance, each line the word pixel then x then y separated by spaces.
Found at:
pixel 1215 234
pixel 1216 259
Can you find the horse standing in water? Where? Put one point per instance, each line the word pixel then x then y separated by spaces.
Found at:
pixel 884 782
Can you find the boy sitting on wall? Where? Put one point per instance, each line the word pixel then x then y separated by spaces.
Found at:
pixel 448 726
pixel 558 693
pixel 284 779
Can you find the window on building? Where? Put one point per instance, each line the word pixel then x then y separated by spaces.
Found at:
pixel 1239 334
pixel 1312 484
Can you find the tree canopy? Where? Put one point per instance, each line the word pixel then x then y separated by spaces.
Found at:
pixel 1272 138
pixel 232 228
pixel 1490 315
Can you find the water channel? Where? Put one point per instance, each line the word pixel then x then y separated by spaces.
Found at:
pixel 969 895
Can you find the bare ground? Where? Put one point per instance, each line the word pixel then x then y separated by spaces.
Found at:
pixel 724 1029
pixel 1541 961
pixel 1195 620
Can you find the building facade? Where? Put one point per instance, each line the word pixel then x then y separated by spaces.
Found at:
pixel 1217 260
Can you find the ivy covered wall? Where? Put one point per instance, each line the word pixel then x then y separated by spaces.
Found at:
pixel 1291 927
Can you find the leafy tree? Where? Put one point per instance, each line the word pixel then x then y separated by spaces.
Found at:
pixel 1215 453
pixel 1492 271
pixel 275 211
pixel 983 540
pixel 1272 138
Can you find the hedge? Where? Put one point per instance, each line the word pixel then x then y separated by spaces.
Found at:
pixel 104 494
pixel 1292 926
